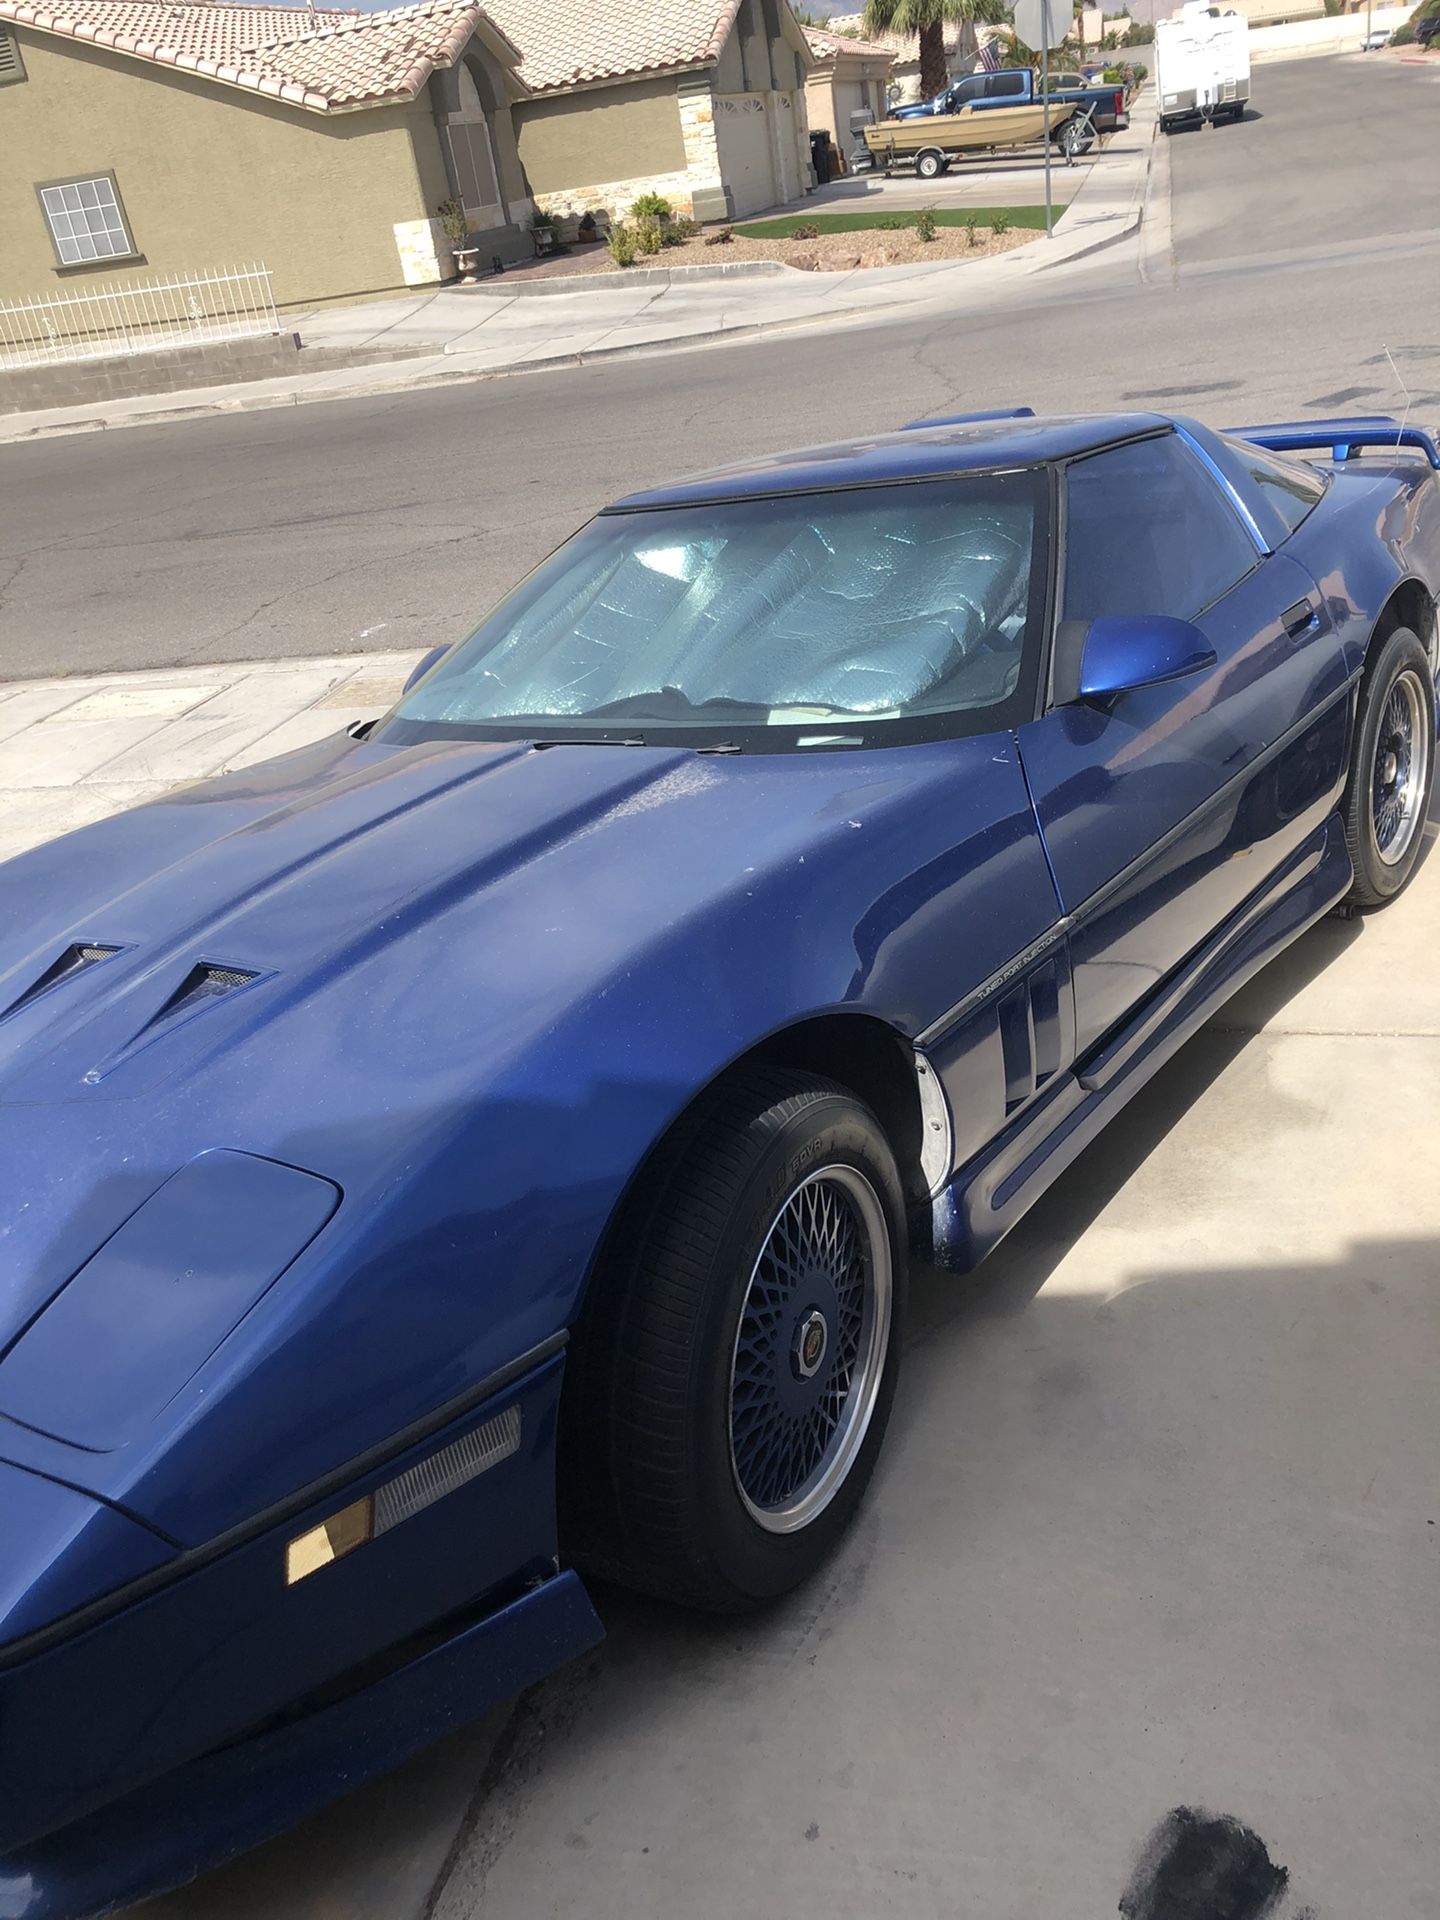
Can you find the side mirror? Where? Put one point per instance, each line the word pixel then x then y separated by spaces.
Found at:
pixel 422 667
pixel 1124 651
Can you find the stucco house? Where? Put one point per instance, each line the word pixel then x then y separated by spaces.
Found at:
pixel 702 101
pixel 142 136
pixel 146 137
pixel 847 86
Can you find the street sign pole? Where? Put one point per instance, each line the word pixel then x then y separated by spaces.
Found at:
pixel 1045 84
pixel 1038 24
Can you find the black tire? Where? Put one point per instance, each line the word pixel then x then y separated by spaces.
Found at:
pixel 929 165
pixel 650 1486
pixel 1397 699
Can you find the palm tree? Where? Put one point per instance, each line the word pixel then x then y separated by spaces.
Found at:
pixel 929 19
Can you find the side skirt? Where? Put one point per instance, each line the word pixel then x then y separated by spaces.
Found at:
pixel 993 1191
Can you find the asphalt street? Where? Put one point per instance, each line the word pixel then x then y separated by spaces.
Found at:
pixel 1154 1535
pixel 395 521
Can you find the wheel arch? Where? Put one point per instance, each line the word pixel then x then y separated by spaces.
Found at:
pixel 858 1051
pixel 1410 605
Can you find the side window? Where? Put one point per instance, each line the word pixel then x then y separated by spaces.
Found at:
pixel 1002 85
pixel 1147 530
pixel 967 90
pixel 1290 487
pixel 86 220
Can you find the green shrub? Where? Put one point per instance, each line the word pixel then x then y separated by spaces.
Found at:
pixel 925 225
pixel 651 206
pixel 452 219
pixel 892 222
pixel 649 236
pixel 1403 36
pixel 623 244
pixel 972 229
pixel 1000 224
pixel 676 232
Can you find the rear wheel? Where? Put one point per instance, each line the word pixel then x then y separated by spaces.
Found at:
pixel 733 1371
pixel 930 164
pixel 1392 770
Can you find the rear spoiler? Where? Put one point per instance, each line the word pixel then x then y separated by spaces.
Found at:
pixel 970 419
pixel 1343 437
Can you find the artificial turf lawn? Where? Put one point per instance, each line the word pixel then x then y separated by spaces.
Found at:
pixel 785 226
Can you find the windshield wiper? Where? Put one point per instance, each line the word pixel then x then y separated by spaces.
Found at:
pixel 590 740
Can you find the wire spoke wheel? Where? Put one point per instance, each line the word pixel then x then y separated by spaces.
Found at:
pixel 810 1348
pixel 1399 776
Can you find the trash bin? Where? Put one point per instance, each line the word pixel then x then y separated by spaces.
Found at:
pixel 820 157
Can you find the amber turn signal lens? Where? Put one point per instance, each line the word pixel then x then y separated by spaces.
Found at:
pixel 331 1540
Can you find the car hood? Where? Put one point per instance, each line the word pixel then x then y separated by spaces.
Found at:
pixel 416 1012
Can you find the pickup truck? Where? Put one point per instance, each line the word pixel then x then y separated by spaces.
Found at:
pixel 1014 87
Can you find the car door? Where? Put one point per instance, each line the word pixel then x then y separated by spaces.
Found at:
pixel 1005 90
pixel 964 93
pixel 1166 807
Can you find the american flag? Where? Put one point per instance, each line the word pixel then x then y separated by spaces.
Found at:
pixel 989 58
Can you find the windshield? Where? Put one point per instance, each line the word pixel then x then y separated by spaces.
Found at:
pixel 911 607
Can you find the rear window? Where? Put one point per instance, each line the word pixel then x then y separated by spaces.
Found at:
pixel 1289 487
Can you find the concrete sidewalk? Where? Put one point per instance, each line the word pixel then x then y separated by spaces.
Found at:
pixel 74 750
pixel 505 327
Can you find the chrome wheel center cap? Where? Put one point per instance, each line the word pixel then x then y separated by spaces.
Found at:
pixel 812 1339
pixel 1389 769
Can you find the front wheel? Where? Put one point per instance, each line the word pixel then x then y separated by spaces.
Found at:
pixel 735 1364
pixel 1392 770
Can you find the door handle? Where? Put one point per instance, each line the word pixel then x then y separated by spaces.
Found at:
pixel 1300 618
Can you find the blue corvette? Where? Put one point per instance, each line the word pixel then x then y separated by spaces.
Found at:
pixel 486 1149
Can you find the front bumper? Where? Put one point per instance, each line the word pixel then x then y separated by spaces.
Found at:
pixel 207 1812
pixel 148 1743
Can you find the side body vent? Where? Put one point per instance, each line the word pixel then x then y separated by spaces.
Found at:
pixel 76 959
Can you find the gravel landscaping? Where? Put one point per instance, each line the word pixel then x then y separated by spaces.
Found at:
pixel 832 252
pixel 836 252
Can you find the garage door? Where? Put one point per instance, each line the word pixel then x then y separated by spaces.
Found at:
pixel 742 134
pixel 849 99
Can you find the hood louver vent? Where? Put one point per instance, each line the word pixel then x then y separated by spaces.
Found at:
pixel 202 987
pixel 202 984
pixel 76 959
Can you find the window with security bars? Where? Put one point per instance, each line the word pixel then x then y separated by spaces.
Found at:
pixel 86 220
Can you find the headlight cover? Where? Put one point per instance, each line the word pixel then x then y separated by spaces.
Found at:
pixel 146 1311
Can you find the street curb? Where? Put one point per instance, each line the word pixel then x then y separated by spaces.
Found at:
pixel 552 363
pixel 659 277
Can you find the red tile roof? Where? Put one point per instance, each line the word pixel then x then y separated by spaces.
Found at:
pixel 825 45
pixel 326 60
pixel 576 43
